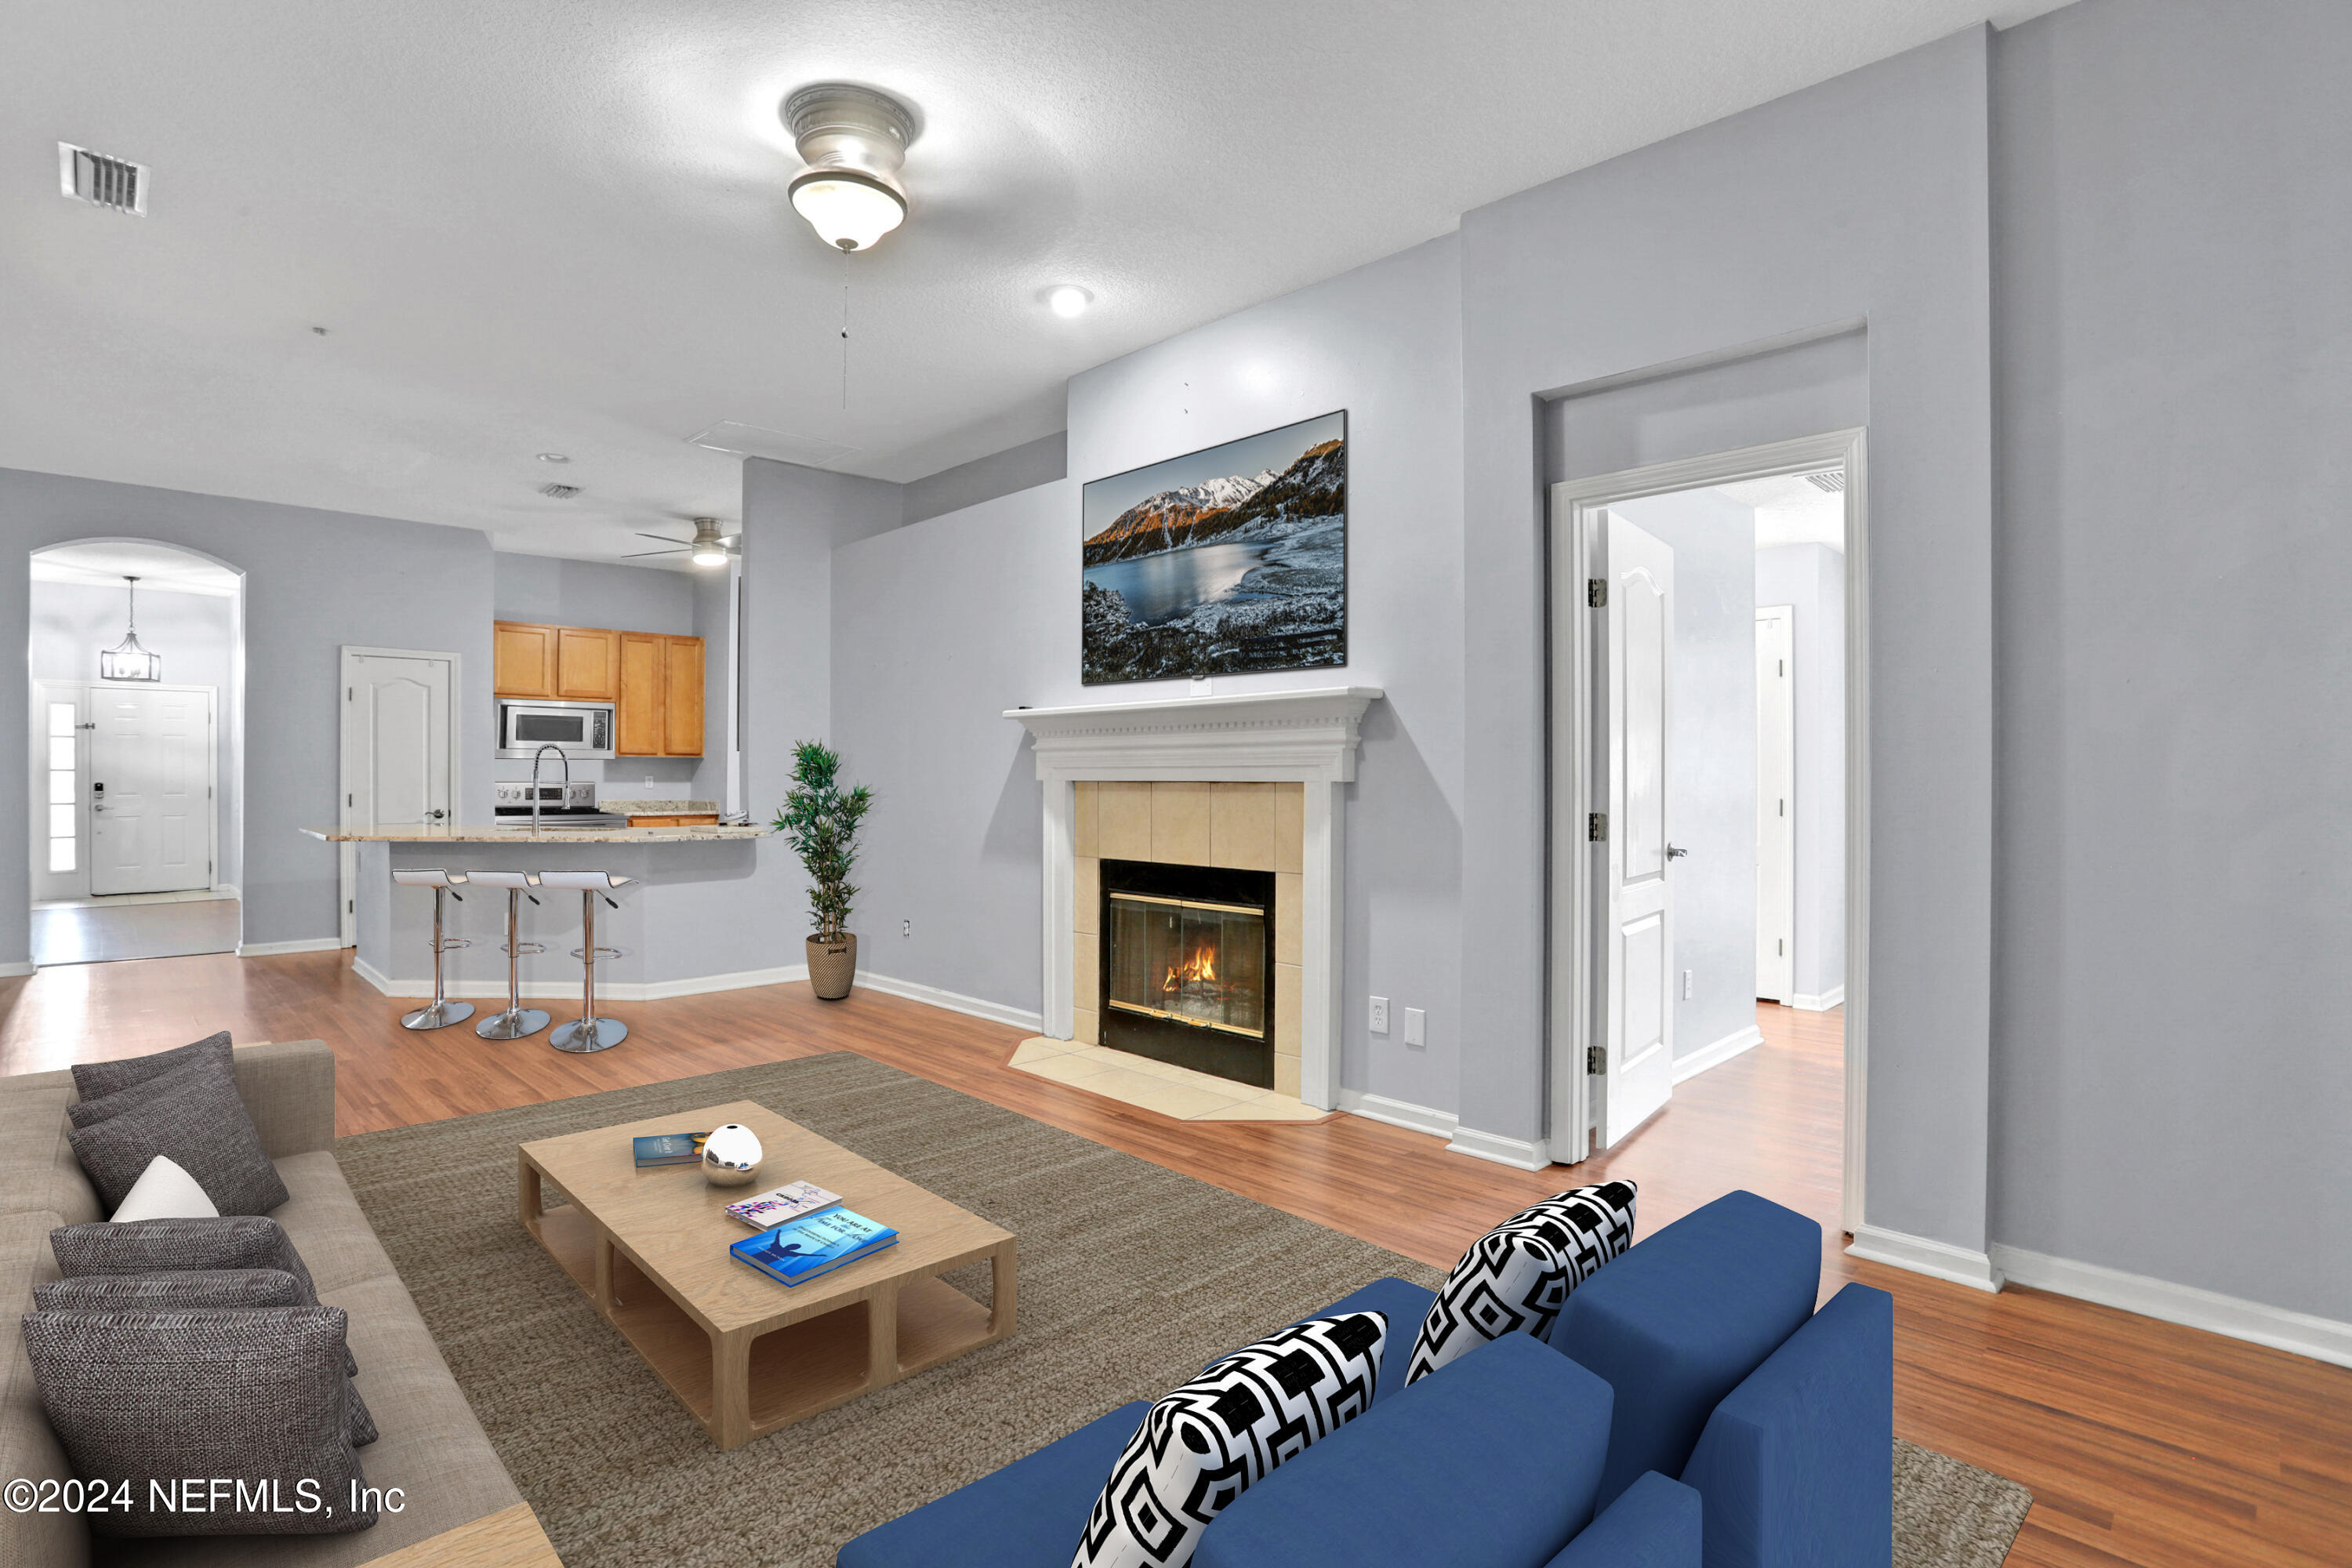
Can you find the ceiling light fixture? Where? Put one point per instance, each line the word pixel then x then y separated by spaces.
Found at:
pixel 126 660
pixel 1068 300
pixel 708 547
pixel 854 140
pixel 554 457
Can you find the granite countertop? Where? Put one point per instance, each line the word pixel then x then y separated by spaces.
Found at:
pixel 659 807
pixel 460 834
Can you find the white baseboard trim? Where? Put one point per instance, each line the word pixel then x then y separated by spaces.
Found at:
pixel 1398 1113
pixel 955 1002
pixel 1519 1153
pixel 569 991
pixel 307 944
pixel 1832 997
pixel 2322 1339
pixel 1938 1259
pixel 10 971
pixel 1723 1050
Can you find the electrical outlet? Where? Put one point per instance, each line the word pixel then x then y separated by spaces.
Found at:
pixel 1687 984
pixel 1379 1014
pixel 1416 1026
pixel 905 927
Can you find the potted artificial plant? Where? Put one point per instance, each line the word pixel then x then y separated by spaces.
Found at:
pixel 820 820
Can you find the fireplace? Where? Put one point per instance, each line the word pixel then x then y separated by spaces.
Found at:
pixel 1188 972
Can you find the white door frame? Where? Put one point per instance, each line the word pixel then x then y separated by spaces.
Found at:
pixel 1787 615
pixel 347 855
pixel 1570 673
pixel 38 750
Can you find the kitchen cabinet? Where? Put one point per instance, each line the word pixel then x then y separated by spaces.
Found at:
pixel 523 660
pixel 587 664
pixel 660 713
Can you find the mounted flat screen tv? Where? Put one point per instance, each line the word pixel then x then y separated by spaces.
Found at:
pixel 1230 559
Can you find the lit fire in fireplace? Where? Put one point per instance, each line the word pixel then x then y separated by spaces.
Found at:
pixel 1200 969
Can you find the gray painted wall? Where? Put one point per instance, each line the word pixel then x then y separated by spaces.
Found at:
pixel 1711 758
pixel 314 581
pixel 1811 579
pixel 1022 468
pixel 940 626
pixel 2172 1086
pixel 196 634
pixel 1623 265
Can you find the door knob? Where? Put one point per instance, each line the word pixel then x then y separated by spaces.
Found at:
pixel 1674 854
pixel 436 814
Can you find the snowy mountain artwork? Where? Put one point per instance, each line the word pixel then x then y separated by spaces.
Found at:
pixel 1230 559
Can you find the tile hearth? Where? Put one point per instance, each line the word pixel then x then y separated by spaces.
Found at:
pixel 1163 1087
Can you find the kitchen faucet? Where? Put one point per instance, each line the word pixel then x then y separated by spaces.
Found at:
pixel 561 755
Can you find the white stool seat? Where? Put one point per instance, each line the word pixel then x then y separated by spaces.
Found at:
pixel 583 881
pixel 429 879
pixel 439 1013
pixel 511 881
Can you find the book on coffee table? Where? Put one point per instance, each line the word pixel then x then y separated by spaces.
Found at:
pixel 801 1250
pixel 670 1148
pixel 778 1205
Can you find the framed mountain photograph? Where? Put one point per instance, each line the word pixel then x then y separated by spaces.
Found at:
pixel 1230 559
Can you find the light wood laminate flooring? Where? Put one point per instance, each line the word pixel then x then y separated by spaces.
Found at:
pixel 2144 1443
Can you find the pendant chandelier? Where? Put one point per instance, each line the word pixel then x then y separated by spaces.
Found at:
pixel 126 660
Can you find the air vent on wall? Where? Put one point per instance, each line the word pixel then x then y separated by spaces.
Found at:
pixel 1831 479
pixel 114 184
pixel 559 492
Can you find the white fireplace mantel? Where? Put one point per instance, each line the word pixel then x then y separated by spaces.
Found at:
pixel 1280 737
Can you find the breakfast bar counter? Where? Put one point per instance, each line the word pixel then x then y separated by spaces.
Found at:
pixel 690 919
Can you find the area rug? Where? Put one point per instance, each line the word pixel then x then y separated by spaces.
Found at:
pixel 1132 1277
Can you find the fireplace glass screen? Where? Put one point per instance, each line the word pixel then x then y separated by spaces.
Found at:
pixel 1189 961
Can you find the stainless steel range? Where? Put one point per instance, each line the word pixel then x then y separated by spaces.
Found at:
pixel 569 802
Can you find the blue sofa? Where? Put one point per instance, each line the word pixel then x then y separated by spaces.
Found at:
pixel 1697 1355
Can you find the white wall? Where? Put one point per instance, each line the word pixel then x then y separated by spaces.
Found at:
pixel 1711 760
pixel 942 624
pixel 197 635
pixel 1811 579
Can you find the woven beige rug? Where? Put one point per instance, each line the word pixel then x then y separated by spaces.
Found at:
pixel 1131 1278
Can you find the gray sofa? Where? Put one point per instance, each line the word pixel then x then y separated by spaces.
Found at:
pixel 432 1447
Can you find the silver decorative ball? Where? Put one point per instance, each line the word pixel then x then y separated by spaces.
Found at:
pixel 731 1155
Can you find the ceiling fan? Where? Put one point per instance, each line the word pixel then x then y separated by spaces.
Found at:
pixel 708 547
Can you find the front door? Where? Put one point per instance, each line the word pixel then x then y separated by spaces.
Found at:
pixel 150 793
pixel 1635 663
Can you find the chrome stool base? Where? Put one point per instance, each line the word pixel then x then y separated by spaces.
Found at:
pixel 581 1035
pixel 511 1024
pixel 438 1015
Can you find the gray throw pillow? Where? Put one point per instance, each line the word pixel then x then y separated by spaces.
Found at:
pixel 169 1404
pixel 93 1079
pixel 179 1245
pixel 203 1126
pixel 187 1289
pixel 163 1086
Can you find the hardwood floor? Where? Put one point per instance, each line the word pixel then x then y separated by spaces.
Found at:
pixel 2143 1443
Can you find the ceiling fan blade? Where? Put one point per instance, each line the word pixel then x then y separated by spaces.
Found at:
pixel 667 538
pixel 639 555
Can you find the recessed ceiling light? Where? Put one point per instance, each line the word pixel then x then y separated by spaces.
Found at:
pixel 854 140
pixel 1068 300
pixel 554 457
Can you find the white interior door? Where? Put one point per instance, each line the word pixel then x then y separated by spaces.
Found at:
pixel 1776 803
pixel 1635 663
pixel 151 789
pixel 399 752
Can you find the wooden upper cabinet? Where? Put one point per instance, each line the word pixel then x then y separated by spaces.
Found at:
pixel 682 721
pixel 523 660
pixel 587 664
pixel 644 658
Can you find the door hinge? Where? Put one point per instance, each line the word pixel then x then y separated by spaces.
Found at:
pixel 350 801
pixel 1596 1059
pixel 1596 592
pixel 350 906
pixel 1596 827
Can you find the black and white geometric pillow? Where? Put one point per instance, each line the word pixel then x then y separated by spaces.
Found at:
pixel 1517 1277
pixel 1201 1447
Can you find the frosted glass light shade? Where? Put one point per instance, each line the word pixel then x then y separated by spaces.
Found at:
pixel 849 210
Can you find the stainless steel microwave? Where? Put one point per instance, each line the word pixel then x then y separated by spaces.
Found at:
pixel 578 728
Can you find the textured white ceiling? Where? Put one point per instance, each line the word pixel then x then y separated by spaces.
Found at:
pixel 560 224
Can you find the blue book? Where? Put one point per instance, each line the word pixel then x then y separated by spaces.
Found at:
pixel 800 1251
pixel 670 1149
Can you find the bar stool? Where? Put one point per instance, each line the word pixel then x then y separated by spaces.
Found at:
pixel 588 1032
pixel 517 1020
pixel 440 1013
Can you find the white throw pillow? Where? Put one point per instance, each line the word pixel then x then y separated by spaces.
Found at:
pixel 1517 1277
pixel 1201 1447
pixel 165 1191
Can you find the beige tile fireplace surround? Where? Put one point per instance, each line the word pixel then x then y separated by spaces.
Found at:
pixel 1187 822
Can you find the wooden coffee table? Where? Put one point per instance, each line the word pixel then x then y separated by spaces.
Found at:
pixel 743 1353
